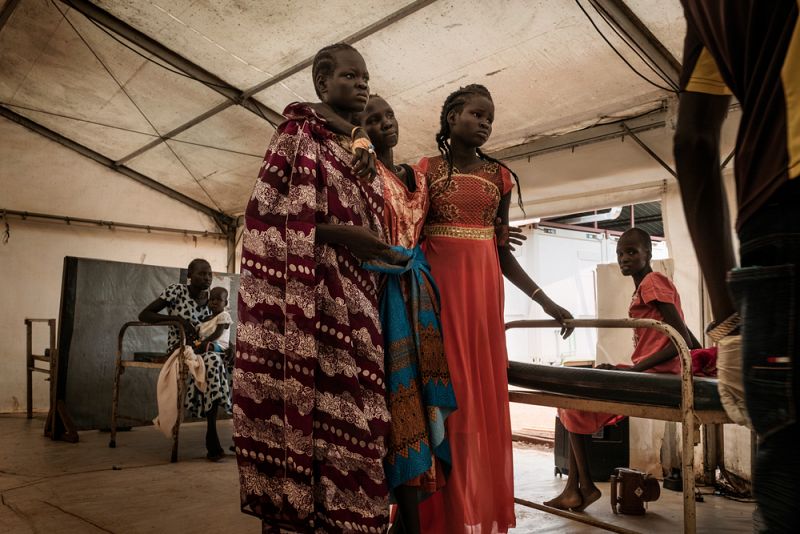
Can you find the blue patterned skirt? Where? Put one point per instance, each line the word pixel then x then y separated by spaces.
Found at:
pixel 420 393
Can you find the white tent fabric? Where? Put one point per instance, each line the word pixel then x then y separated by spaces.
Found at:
pixel 547 67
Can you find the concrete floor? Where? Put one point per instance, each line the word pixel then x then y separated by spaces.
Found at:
pixel 535 481
pixel 56 487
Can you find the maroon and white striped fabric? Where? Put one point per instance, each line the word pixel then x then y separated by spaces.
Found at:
pixel 310 416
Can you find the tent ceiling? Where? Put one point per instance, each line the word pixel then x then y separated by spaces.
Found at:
pixel 660 18
pixel 548 70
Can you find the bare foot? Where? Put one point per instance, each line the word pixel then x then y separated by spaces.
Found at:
pixel 569 498
pixel 588 496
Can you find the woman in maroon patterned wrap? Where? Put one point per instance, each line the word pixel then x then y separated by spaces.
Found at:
pixel 310 416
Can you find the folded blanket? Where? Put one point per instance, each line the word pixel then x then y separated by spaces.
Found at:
pixel 167 386
pixel 731 380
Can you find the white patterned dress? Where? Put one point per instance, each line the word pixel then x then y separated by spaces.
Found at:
pixel 218 390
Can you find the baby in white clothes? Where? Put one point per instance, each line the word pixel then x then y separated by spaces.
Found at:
pixel 215 333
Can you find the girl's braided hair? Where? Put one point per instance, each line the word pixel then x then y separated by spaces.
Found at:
pixel 455 102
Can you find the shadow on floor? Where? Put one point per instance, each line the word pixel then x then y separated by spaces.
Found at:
pixel 49 486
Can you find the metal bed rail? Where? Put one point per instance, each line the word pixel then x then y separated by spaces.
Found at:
pixel 688 417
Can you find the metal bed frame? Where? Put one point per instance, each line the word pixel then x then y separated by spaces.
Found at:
pixel 686 413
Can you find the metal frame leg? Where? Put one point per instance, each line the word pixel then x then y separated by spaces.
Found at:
pixel 53 359
pixel 688 418
pixel 182 374
pixel 29 368
pixel 115 394
pixel 688 427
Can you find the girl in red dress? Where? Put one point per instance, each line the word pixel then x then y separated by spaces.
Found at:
pixel 655 297
pixel 468 191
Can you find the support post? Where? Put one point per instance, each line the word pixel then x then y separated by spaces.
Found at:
pixel 53 359
pixel 29 367
pixel 710 453
pixel 231 241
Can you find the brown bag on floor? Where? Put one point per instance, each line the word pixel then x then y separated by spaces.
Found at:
pixel 635 489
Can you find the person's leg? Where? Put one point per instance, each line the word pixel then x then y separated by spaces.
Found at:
pixel 697 139
pixel 217 395
pixel 407 511
pixel 397 524
pixel 588 491
pixel 215 451
pixel 776 485
pixel 767 289
pixel 570 497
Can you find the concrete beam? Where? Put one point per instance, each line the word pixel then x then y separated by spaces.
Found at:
pixel 246 95
pixel 626 21
pixel 223 220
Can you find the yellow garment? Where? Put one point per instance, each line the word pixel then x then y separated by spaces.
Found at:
pixel 790 76
pixel 167 386
pixel 706 77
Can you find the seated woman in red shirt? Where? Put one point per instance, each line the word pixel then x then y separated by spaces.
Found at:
pixel 655 297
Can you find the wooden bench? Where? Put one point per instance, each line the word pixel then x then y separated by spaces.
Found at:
pixel 46 359
pixel 685 399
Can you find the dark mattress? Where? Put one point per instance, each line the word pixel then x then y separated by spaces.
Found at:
pixel 621 386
